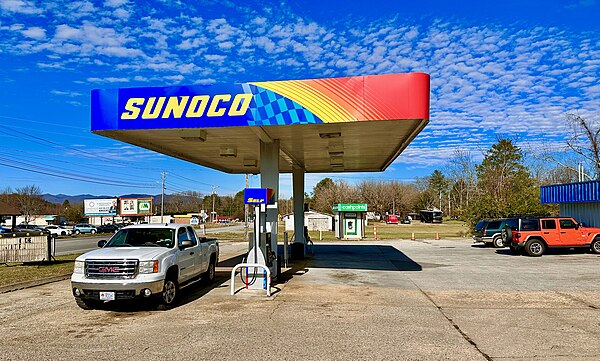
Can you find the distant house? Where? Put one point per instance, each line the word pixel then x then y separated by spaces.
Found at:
pixel 315 221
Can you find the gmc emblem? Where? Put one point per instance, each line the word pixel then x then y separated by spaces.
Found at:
pixel 113 269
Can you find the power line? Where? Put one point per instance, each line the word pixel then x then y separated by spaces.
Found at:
pixel 72 178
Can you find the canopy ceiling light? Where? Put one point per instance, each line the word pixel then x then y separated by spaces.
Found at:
pixel 198 135
pixel 330 135
pixel 228 152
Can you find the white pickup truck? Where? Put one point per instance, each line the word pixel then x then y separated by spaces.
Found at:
pixel 144 261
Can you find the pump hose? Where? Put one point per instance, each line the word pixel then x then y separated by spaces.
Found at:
pixel 250 282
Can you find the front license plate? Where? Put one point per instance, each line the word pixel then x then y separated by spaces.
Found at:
pixel 107 296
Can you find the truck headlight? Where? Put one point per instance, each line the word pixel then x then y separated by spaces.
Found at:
pixel 148 267
pixel 78 267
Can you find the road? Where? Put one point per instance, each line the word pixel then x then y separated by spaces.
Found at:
pixel 88 243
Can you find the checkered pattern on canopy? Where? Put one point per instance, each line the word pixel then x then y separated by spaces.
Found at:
pixel 270 108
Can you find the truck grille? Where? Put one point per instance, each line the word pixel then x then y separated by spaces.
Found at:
pixel 118 269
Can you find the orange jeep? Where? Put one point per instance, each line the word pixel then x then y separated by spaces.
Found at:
pixel 535 235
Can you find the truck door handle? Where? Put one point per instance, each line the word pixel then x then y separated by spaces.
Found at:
pixel 546 232
pixel 563 232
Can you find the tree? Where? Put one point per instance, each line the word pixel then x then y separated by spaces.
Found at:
pixel 585 140
pixel 29 202
pixel 463 181
pixel 439 184
pixel 504 184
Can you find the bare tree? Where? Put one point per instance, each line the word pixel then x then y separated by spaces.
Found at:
pixel 29 201
pixel 585 140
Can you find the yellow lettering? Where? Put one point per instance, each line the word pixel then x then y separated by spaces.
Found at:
pixel 212 110
pixel 240 104
pixel 175 107
pixel 153 114
pixel 131 109
pixel 197 106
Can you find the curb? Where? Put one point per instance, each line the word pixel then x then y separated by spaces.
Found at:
pixel 29 284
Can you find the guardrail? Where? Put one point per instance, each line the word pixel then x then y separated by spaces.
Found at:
pixel 257 265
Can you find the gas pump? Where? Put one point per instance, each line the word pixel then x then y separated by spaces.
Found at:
pixel 261 264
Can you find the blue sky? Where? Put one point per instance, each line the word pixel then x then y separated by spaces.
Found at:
pixel 513 69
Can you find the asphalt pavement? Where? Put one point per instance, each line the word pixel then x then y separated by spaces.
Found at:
pixel 386 300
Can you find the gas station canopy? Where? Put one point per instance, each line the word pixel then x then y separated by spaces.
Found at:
pixel 322 125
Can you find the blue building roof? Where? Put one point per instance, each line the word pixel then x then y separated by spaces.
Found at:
pixel 571 192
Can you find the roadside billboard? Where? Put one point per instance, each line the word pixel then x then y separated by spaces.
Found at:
pixel 135 206
pixel 100 207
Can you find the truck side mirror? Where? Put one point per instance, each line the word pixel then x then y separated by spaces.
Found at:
pixel 101 243
pixel 577 226
pixel 186 244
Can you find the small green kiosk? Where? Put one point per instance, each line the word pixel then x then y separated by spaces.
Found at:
pixel 350 220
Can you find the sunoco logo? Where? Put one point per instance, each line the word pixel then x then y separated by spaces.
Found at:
pixel 190 107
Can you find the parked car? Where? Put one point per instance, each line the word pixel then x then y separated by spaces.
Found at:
pixel 144 261
pixel 84 228
pixel 58 230
pixel 490 231
pixel 535 235
pixel 28 228
pixel 5 230
pixel 108 228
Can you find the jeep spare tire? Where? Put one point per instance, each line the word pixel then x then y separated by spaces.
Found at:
pixel 507 235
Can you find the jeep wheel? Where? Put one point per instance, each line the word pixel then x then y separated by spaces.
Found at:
pixel 535 247
pixel 596 245
pixel 498 242
pixel 506 234
pixel 209 275
pixel 85 304
pixel 169 294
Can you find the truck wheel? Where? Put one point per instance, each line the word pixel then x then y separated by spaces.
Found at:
pixel 596 245
pixel 85 304
pixel 169 294
pixel 498 242
pixel 535 247
pixel 209 275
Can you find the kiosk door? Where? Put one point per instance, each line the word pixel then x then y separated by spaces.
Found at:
pixel 350 226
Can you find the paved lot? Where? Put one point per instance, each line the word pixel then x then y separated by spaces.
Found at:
pixel 404 300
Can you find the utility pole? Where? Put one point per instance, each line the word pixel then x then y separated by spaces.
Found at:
pixel 246 214
pixel 212 214
pixel 163 175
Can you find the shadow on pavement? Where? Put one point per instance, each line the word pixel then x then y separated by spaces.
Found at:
pixel 363 257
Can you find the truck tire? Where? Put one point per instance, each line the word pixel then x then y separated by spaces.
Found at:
pixel 498 242
pixel 595 247
pixel 209 276
pixel 535 247
pixel 85 304
pixel 168 296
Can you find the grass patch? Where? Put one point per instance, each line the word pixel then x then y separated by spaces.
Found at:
pixel 451 229
pixel 24 272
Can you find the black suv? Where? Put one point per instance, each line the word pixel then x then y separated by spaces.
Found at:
pixel 490 231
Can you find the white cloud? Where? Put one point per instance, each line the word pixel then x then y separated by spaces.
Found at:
pixel 35 33
pixel 20 6
pixel 115 3
pixel 108 80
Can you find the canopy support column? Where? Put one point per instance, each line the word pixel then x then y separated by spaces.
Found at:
pixel 299 245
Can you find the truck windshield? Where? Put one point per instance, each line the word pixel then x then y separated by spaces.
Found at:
pixel 142 237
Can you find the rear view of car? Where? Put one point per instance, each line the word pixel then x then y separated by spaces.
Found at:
pixel 491 232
